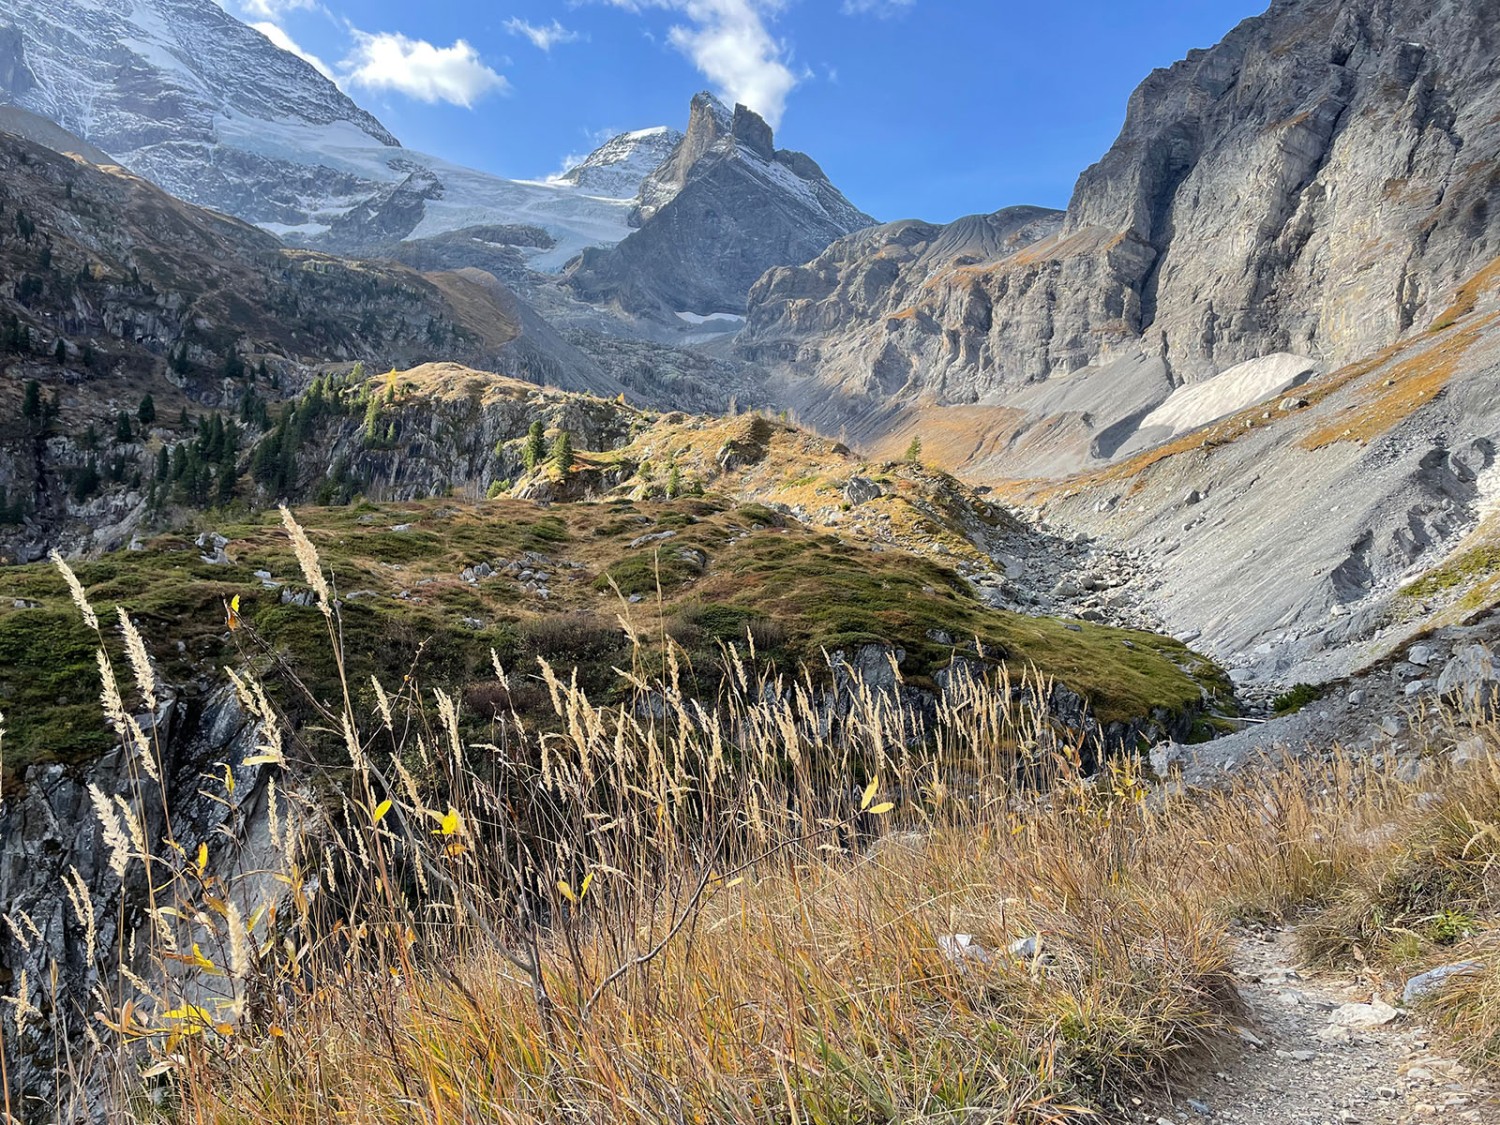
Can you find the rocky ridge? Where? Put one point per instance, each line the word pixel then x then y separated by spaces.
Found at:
pixel 723 208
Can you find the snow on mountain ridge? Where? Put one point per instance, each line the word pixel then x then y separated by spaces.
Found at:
pixel 617 168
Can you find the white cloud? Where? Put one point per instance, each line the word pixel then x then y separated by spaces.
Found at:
pixel 421 70
pixel 275 9
pixel 729 43
pixel 544 38
pixel 278 36
pixel 882 8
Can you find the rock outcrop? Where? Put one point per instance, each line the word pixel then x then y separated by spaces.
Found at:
pixel 726 206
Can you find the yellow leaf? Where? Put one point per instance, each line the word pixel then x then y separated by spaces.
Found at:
pixel 202 858
pixel 265 760
pixel 454 850
pixel 566 891
pixel 224 1028
pixel 188 1013
pixel 234 603
pixel 735 882
pixel 450 823
pixel 587 879
pixel 869 794
pixel 882 808
pixel 381 809
pixel 228 778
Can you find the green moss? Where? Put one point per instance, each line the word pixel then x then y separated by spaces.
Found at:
pixel 49 688
pixel 799 593
pixel 642 573
pixel 1297 698
pixel 1482 562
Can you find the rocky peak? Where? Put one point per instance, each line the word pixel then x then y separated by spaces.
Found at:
pixel 750 130
pixel 721 210
pixel 617 168
pixel 709 121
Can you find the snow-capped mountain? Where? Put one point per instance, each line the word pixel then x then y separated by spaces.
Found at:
pixel 617 168
pixel 209 108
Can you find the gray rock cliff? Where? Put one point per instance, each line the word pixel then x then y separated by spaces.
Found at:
pixel 1317 183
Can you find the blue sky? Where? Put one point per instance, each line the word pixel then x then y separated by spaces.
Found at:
pixel 915 108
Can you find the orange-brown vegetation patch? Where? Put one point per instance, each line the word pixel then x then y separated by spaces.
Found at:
pixel 1466 299
pixel 1407 387
pixel 953 437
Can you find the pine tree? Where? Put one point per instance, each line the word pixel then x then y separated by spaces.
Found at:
pixel 372 421
pixel 31 404
pixel 60 351
pixel 123 433
pixel 536 446
pixel 562 454
pixel 914 451
pixel 86 483
pixel 146 413
pixel 674 483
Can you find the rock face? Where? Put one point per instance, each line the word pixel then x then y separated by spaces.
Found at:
pixel 1316 184
pixel 51 834
pixel 726 206
pixel 855 307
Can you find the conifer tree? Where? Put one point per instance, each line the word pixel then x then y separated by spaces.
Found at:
pixel 562 453
pixel 536 446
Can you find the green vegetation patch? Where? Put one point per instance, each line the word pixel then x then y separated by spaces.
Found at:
pixel 725 572
pixel 1481 562
pixel 1297 698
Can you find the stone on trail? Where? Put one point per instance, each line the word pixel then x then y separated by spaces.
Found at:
pixel 1428 983
pixel 1377 1013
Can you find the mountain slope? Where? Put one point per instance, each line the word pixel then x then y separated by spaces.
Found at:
pixel 1303 539
pixel 1316 184
pixel 726 206
pixel 114 291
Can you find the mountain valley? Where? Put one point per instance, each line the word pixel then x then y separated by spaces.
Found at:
pixel 680 467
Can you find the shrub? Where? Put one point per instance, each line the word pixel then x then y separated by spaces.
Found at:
pixel 1297 698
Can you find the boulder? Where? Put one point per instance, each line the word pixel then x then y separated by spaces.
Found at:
pixel 1166 757
pixel 1471 677
pixel 1377 1013
pixel 861 490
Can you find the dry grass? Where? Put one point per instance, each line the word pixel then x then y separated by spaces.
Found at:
pixel 663 911
pixel 1400 390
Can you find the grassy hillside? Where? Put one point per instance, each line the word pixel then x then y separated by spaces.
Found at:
pixel 705 571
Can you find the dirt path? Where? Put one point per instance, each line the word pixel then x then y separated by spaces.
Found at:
pixel 1297 1067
